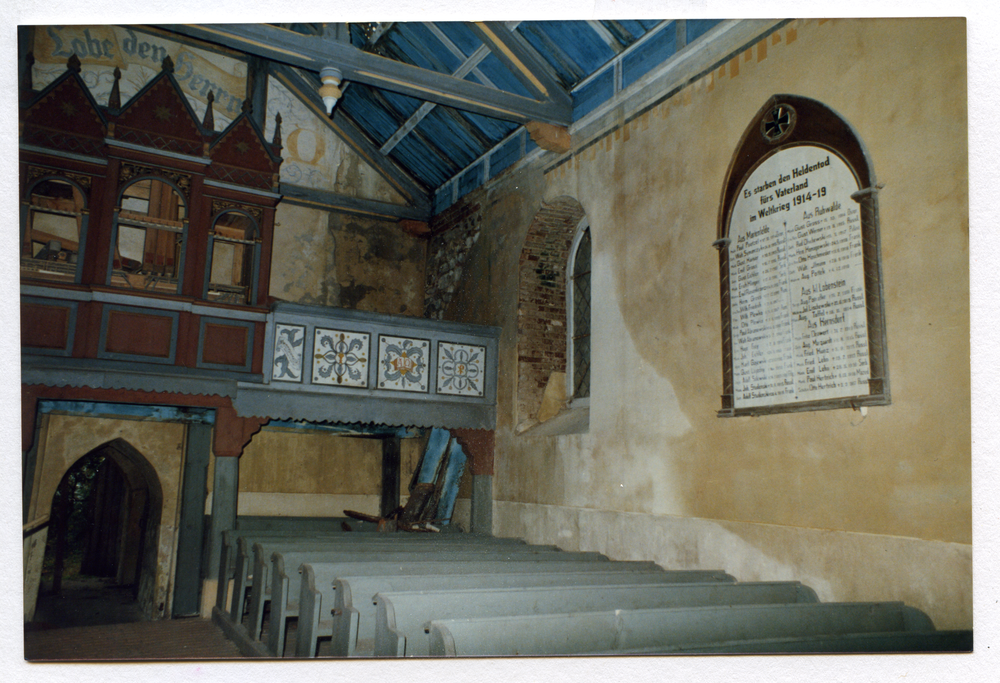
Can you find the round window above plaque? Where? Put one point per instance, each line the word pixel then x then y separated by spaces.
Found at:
pixel 779 123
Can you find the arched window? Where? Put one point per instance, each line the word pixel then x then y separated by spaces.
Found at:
pixel 53 230
pixel 233 254
pixel 578 316
pixel 150 226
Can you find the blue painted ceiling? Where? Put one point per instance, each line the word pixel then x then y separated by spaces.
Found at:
pixel 419 93
pixel 448 140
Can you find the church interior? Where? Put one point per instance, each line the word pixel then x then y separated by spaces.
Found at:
pixel 684 292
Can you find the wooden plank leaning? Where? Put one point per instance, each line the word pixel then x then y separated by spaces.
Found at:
pixel 630 630
pixel 402 617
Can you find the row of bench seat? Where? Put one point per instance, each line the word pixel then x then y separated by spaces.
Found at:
pixel 356 594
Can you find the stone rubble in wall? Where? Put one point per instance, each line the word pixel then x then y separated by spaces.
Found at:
pixel 449 251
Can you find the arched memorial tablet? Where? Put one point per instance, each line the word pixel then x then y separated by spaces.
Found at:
pixel 799 264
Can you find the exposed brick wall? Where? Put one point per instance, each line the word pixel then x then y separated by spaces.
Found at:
pixel 454 232
pixel 541 312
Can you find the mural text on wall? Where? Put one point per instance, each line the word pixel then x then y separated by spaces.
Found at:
pixel 139 56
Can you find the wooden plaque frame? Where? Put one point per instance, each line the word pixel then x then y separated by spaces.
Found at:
pixel 785 122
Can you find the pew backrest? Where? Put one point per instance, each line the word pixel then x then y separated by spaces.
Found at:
pixel 630 630
pixel 402 618
pixel 260 591
pixel 316 605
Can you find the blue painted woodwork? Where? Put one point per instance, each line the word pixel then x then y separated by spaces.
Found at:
pixel 379 398
pixel 505 155
pixel 699 27
pixel 458 33
pixel 443 464
pixel 131 410
pixel 470 180
pixel 593 94
pixel 579 42
pixel 656 50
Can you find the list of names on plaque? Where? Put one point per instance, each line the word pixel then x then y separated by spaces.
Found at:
pixel 797 288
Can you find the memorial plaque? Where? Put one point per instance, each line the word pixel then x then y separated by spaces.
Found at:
pixel 799 328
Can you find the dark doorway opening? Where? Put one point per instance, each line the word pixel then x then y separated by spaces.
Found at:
pixel 100 558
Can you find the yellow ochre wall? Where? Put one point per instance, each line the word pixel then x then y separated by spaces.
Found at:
pixel 860 507
pixel 310 473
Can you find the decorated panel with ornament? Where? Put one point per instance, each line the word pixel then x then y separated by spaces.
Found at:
pixel 403 363
pixel 461 369
pixel 340 358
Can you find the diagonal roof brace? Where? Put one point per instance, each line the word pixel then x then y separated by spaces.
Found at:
pixel 526 64
pixel 314 52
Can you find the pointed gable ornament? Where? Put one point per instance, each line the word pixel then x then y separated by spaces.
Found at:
pixel 160 116
pixel 115 98
pixel 209 123
pixel 276 142
pixel 73 63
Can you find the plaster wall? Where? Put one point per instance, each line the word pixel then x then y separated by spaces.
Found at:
pixel 290 472
pixel 64 439
pixel 314 156
pixel 874 506
pixel 335 259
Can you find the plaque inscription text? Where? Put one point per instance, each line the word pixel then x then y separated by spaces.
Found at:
pixel 797 287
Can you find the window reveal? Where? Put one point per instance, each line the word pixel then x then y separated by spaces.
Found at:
pixel 579 309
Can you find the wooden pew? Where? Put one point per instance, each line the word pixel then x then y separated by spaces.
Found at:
pixel 236 564
pixel 312 529
pixel 402 617
pixel 849 643
pixel 331 589
pixel 631 630
pixel 284 584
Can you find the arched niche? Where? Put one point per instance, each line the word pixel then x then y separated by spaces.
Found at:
pixel 803 323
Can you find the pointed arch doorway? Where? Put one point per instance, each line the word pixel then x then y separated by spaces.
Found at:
pixel 106 521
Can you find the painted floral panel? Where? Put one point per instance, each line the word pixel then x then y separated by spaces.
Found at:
pixel 340 358
pixel 461 369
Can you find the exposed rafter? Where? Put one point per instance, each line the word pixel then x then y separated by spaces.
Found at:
pixel 472 59
pixel 304 87
pixel 523 61
pixel 468 66
pixel 609 39
pixel 314 52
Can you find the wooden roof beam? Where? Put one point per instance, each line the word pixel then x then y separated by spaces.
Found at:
pixel 314 52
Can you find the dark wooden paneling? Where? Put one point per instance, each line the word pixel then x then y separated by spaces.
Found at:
pixel 44 327
pixel 140 334
pixel 225 344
